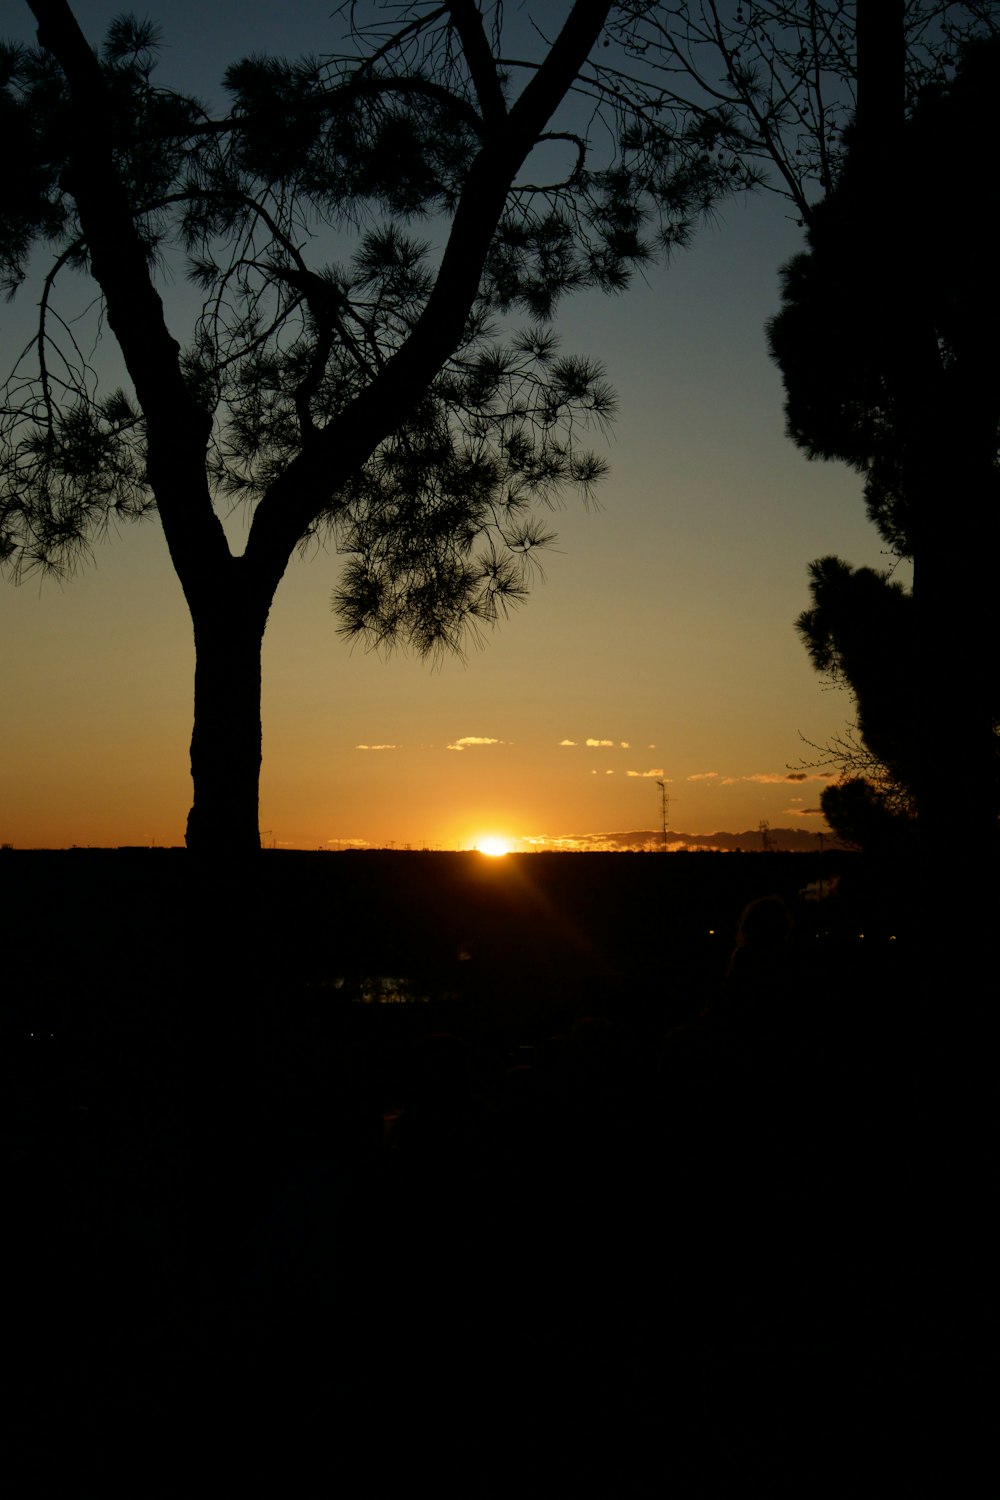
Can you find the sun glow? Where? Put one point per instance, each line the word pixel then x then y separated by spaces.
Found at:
pixel 494 847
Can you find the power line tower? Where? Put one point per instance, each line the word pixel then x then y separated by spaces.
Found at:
pixel 664 804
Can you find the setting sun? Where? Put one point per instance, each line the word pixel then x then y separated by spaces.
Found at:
pixel 494 847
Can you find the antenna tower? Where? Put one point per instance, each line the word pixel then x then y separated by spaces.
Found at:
pixel 664 804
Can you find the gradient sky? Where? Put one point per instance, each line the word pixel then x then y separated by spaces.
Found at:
pixel 660 644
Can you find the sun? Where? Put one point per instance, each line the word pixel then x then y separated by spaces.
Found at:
pixel 494 847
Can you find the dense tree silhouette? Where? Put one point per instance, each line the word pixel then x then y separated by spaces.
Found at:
pixel 857 116
pixel 371 390
pixel 859 632
pixel 887 343
pixel 865 816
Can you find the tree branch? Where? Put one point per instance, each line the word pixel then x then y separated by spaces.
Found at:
pixel 468 23
pixel 177 428
pixel 299 496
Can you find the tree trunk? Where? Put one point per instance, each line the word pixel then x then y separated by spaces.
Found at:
pixel 226 740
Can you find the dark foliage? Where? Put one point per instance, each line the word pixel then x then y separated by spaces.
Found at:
pixel 860 633
pixel 886 343
pixel 846 336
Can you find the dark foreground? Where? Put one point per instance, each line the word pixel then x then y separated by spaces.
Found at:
pixel 585 1217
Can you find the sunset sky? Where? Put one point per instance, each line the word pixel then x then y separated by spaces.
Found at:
pixel 659 646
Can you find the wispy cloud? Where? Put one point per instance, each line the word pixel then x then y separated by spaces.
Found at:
pixel 376 747
pixel 469 740
pixel 779 778
pixel 703 776
pixel 657 772
pixel 595 744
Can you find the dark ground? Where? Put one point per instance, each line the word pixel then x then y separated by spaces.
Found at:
pixel 583 1217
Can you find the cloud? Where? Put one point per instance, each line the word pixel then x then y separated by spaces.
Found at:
pixel 703 776
pixel 625 745
pixel 778 778
pixel 657 772
pixel 600 744
pixel 346 843
pixel 376 747
pixel 468 740
pixel 566 742
pixel 805 812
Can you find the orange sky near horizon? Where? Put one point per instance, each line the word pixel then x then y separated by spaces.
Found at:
pixel 659 645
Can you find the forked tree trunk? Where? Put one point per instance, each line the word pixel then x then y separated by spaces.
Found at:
pixel 226 740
